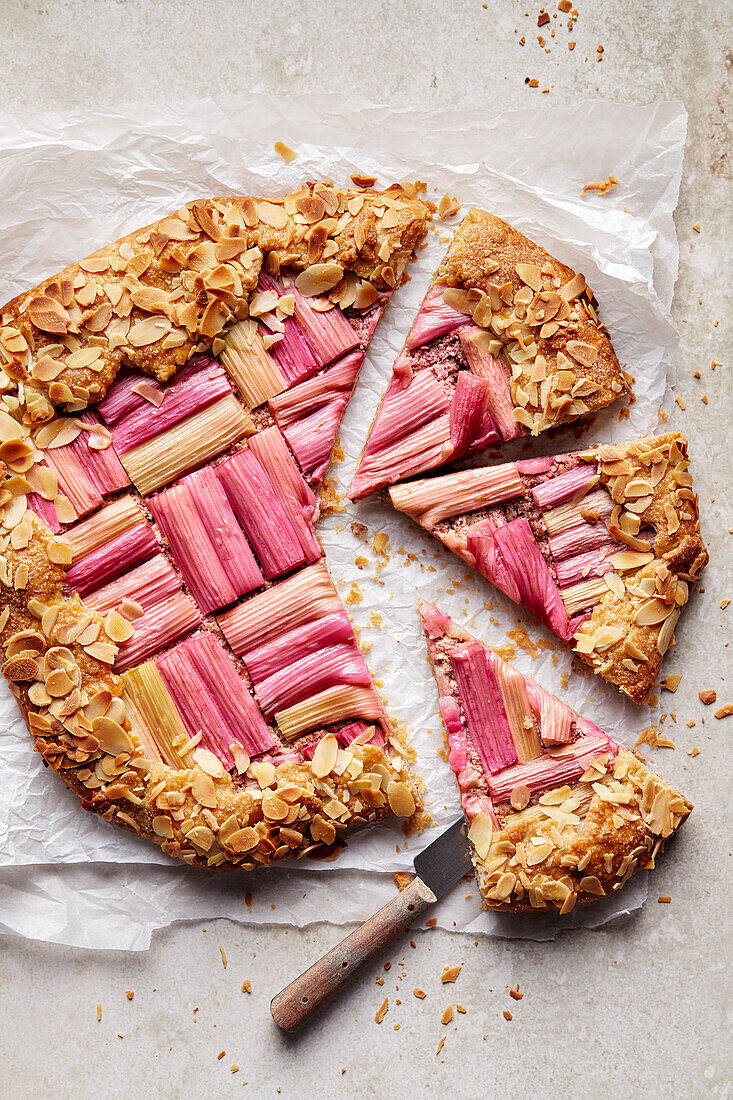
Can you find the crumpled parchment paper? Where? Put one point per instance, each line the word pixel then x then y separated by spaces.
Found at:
pixel 71 182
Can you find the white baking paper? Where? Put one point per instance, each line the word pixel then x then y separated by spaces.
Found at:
pixel 71 182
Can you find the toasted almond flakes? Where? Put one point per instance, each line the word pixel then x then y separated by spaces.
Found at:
pixel 450 973
pixel 708 697
pixel 382 1010
pixel 284 151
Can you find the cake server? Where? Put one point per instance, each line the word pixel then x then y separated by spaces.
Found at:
pixel 437 869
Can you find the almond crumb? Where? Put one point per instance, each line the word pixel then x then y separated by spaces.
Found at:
pixel 507 1014
pixel 671 683
pixel 725 711
pixel 246 986
pixel 515 994
pixel 440 1045
pixel 708 697
pixel 223 956
pixel 99 1011
pixel 448 206
pixel 285 151
pixel 382 1010
pixel 447 1015
pixel 220 1055
pixel 450 973
pixel 664 899
pixel 130 994
pixel 461 1009
pixel 420 994
pixel 234 1067
pixel 432 922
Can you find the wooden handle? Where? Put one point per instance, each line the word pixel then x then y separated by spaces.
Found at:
pixel 295 1005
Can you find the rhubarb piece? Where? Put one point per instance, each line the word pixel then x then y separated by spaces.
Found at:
pixel 474 344
pixel 435 319
pixel 335 704
pixel 312 438
pixel 160 625
pixel 200 674
pixel 522 559
pixel 187 444
pixel 486 717
pixel 408 456
pixel 471 424
pixel 304 598
pixel 602 546
pixel 206 540
pixel 329 666
pixel 154 716
pixel 299 401
pixel 147 585
pixel 429 502
pixel 558 813
pixel 198 385
pixel 131 334
pixel 254 371
pixel 260 511
pixel 329 334
pixel 297 498
pixel 115 557
pixel 502 309
pixel 293 646
pixel 111 521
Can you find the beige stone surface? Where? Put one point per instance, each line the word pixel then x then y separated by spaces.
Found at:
pixel 640 1008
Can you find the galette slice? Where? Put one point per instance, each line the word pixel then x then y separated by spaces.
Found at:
pixel 507 342
pixel 602 546
pixel 559 814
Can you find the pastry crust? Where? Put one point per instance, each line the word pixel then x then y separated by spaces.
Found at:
pixel 151 300
pixel 659 589
pixel 572 844
pixel 657 559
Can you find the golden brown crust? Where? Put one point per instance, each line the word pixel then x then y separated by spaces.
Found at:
pixel 581 863
pixel 150 300
pixel 158 294
pixel 542 314
pixel 630 630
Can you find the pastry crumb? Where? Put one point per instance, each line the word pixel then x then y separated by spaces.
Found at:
pixel 450 973
pixel 602 187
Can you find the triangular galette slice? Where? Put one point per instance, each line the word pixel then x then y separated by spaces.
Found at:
pixel 602 546
pixel 506 342
pixel 168 623
pixel 559 814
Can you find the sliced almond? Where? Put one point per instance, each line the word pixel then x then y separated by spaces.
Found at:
pixel 324 757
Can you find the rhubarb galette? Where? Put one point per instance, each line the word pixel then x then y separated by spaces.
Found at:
pixel 559 813
pixel 169 626
pixel 506 343
pixel 602 546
